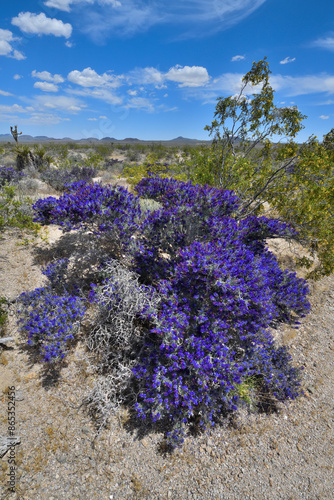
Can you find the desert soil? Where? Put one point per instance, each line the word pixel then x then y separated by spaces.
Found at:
pixel 287 454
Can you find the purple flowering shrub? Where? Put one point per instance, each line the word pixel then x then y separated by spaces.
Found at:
pixel 9 175
pixel 93 207
pixel 51 320
pixel 51 315
pixel 221 292
pixel 211 334
pixel 206 337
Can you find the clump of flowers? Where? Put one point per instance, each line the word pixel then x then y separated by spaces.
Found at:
pixel 51 320
pixel 91 207
pixel 8 175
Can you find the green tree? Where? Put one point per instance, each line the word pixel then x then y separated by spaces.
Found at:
pixel 296 180
pixel 243 129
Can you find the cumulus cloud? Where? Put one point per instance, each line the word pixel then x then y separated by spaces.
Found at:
pixel 132 92
pixel 188 76
pixel 324 117
pixel 237 58
pixel 89 78
pixel 17 77
pixel 92 119
pixel 65 5
pixel 45 75
pixel 39 24
pixel 6 48
pixel 46 86
pixel 287 60
pixel 325 43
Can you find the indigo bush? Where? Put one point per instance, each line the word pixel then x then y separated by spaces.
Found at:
pixel 91 206
pixel 212 333
pixel 188 320
pixel 51 320
pixel 9 175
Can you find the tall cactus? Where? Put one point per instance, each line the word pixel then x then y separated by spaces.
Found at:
pixel 15 133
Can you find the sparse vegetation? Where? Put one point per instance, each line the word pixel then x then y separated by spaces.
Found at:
pixel 180 299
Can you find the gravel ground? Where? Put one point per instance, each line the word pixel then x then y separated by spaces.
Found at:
pixel 287 454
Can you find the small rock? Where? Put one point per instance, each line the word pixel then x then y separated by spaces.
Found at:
pixel 310 389
pixel 62 459
pixel 85 430
pixel 6 442
pixel 19 395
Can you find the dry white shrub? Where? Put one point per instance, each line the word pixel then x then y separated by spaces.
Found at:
pixel 117 338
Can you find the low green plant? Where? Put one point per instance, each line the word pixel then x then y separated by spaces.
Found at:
pixel 13 213
pixel 3 313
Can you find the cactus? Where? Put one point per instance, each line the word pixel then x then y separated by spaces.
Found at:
pixel 15 133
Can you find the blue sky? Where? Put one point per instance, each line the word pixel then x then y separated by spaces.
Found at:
pixel 153 69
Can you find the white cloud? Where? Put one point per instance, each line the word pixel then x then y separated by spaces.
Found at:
pixel 3 92
pixel 204 16
pixel 59 103
pixel 185 76
pixel 17 77
pixel 92 119
pixel 6 49
pixel 15 108
pixel 89 78
pixel 325 43
pixel 45 75
pixel 147 75
pixel 287 60
pixel 301 85
pixel 39 24
pixel 132 92
pixel 103 117
pixel 18 55
pixel 324 117
pixel 188 76
pixel 97 93
pixel 46 86
pixel 68 44
pixel 43 119
pixel 65 5
pixel 237 58
pixel 140 103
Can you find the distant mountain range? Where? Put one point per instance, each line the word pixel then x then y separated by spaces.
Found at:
pixel 129 140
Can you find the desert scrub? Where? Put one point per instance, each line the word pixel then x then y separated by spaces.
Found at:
pixel 182 331
pixel 59 178
pixel 15 213
pixel 3 313
pixel 9 175
pixel 51 320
